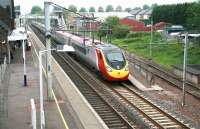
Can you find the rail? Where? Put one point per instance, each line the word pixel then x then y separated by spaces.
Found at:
pixel 165 75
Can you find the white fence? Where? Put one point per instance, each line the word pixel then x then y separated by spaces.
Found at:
pixel 3 69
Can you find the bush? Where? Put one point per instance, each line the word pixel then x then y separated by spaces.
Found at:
pixel 137 34
pixel 120 31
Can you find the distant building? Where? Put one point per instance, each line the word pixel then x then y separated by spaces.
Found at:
pixel 141 14
pixel 101 16
pixel 160 25
pixel 134 12
pixel 174 29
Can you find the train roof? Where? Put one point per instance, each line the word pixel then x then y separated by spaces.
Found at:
pixel 88 41
pixel 107 47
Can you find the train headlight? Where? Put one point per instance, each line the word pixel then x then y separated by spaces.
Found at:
pixel 126 68
pixel 108 69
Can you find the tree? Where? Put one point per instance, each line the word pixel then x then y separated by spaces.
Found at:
pixel 72 8
pixel 137 8
pixel 100 9
pixel 175 14
pixel 112 21
pixel 146 7
pixel 120 31
pixel 92 9
pixel 118 8
pixel 154 5
pixel 82 9
pixel 194 18
pixel 109 8
pixel 127 10
pixel 36 10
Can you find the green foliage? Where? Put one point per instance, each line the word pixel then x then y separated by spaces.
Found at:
pixel 137 8
pixel 175 14
pixel 137 34
pixel 100 9
pixel 112 21
pixel 109 8
pixel 154 5
pixel 82 9
pixel 92 9
pixel 193 21
pixel 120 31
pixel 72 8
pixel 146 7
pixel 127 10
pixel 118 8
pixel 109 23
pixel 102 30
pixel 166 54
pixel 36 10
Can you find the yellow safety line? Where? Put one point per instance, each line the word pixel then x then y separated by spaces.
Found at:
pixel 56 101
pixel 60 112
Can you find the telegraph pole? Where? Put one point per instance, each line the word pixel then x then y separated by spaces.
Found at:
pixel 48 46
pixel 184 67
pixel 150 47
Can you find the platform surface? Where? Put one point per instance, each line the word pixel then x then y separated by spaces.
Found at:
pixel 15 97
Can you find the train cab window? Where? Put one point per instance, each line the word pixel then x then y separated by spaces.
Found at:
pixel 115 56
pixel 115 59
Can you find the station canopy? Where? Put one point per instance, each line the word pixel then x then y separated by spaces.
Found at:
pixel 18 34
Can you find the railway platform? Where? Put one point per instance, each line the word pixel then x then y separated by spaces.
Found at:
pixel 15 107
pixel 15 97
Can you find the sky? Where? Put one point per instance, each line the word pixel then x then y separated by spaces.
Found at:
pixel 26 5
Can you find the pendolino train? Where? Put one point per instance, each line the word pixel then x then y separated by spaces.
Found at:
pixel 107 59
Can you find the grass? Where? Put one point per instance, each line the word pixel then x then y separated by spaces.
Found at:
pixel 163 53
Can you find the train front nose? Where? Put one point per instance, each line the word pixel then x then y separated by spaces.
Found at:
pixel 119 74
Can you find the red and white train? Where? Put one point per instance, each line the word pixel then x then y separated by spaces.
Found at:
pixel 107 59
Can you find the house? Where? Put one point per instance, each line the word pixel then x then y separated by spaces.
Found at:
pixel 101 16
pixel 134 12
pixel 160 26
pixel 141 14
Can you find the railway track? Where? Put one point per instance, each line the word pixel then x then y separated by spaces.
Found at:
pixel 150 113
pixel 117 105
pixel 165 75
pixel 111 116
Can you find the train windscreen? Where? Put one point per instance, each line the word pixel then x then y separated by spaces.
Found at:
pixel 115 59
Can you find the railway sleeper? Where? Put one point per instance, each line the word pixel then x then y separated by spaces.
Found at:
pixel 118 124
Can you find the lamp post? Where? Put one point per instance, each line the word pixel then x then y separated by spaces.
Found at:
pixel 60 48
pixel 24 61
pixel 42 119
pixel 184 68
pixel 48 47
pixel 151 40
